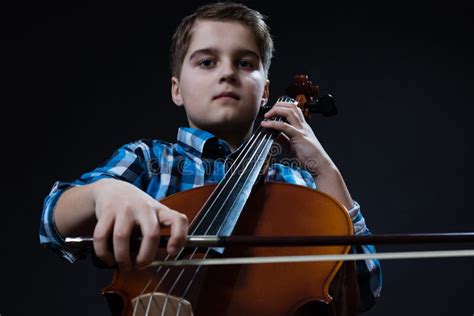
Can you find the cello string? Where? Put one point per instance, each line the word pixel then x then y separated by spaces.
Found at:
pixel 264 140
pixel 193 277
pixel 214 219
pixel 245 150
pixel 196 271
pixel 146 286
pixel 181 297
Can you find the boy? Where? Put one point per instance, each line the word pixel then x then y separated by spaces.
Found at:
pixel 220 57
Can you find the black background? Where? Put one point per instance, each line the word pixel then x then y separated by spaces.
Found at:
pixel 82 79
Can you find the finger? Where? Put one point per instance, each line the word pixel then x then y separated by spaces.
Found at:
pixel 178 223
pixel 284 127
pixel 123 228
pixel 289 114
pixel 150 229
pixel 293 106
pixel 102 231
pixel 287 104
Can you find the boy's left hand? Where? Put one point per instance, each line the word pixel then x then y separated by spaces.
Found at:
pixel 303 142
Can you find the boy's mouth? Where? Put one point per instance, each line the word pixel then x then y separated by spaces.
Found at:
pixel 227 95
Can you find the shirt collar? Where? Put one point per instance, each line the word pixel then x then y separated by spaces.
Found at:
pixel 202 143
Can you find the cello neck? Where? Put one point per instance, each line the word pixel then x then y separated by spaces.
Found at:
pixel 221 211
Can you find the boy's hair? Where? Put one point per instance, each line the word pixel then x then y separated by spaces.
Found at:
pixel 221 11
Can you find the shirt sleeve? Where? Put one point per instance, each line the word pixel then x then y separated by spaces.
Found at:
pixel 369 273
pixel 281 173
pixel 128 163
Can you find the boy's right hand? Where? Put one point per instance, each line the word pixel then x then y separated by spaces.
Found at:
pixel 119 208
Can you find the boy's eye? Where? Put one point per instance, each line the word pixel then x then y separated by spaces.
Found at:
pixel 206 63
pixel 246 64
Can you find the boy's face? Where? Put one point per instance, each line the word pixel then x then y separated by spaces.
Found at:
pixel 222 81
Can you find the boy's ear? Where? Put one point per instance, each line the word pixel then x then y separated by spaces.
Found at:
pixel 266 93
pixel 175 92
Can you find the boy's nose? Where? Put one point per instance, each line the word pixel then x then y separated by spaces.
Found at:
pixel 228 74
pixel 228 78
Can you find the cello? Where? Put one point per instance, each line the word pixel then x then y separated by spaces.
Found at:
pixel 242 205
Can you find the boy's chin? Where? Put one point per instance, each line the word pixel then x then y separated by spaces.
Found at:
pixel 226 122
pixel 226 127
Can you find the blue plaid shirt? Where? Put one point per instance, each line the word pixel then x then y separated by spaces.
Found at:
pixel 197 158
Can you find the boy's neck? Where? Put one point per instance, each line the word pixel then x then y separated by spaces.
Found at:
pixel 234 138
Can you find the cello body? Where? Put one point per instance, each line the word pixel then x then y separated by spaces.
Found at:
pixel 273 209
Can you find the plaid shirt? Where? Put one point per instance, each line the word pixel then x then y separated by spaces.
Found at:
pixel 197 158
